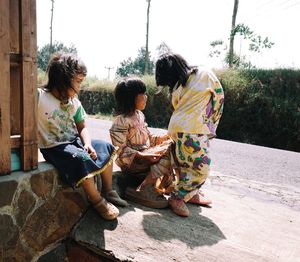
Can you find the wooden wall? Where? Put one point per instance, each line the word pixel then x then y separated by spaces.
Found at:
pixel 18 76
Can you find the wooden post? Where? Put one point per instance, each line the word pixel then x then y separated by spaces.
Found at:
pixel 18 78
pixel 5 158
pixel 15 75
pixel 29 153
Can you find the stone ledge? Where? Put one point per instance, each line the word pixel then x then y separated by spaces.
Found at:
pixel 36 212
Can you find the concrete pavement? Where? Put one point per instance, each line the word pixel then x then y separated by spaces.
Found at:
pixel 255 214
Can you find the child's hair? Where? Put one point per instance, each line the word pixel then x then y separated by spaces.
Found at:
pixel 126 92
pixel 171 69
pixel 62 68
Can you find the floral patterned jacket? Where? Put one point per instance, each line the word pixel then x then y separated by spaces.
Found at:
pixel 198 106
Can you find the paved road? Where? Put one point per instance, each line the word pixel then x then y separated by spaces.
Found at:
pixel 270 173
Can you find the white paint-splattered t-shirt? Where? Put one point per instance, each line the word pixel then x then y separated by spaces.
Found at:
pixel 57 121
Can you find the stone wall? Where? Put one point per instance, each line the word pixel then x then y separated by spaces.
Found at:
pixel 37 212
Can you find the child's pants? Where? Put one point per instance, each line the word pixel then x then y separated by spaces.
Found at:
pixel 192 154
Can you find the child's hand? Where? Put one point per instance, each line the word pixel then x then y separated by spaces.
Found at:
pixel 162 139
pixel 151 158
pixel 91 151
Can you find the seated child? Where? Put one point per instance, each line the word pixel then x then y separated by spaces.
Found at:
pixel 63 136
pixel 139 150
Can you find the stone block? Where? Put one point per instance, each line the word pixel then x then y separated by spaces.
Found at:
pixel 26 203
pixel 53 220
pixel 57 254
pixel 9 232
pixel 21 253
pixel 42 183
pixel 7 191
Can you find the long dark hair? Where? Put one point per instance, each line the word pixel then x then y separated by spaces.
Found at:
pixel 126 92
pixel 62 68
pixel 172 69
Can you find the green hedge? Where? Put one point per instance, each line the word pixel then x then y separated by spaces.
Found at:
pixel 261 106
pixel 101 100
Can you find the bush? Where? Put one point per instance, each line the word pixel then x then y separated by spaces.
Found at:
pixel 158 109
pixel 98 97
pixel 262 107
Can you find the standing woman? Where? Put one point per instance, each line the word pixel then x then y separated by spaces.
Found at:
pixel 197 99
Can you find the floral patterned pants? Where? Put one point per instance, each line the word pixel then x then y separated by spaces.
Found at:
pixel 192 155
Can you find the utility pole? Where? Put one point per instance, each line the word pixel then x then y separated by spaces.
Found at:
pixel 232 33
pixel 147 38
pixel 51 29
pixel 108 71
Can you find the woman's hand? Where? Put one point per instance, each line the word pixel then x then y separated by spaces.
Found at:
pixel 91 151
pixel 151 158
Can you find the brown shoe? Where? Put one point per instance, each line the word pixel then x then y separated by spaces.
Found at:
pixel 106 210
pixel 200 199
pixel 146 197
pixel 179 207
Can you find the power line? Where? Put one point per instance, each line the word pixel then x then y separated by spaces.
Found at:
pixel 291 6
pixel 282 4
pixel 275 8
pixel 264 4
pixel 285 2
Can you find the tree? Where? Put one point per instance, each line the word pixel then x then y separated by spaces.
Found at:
pixel 147 38
pixel 136 66
pixel 126 68
pixel 44 53
pixel 256 44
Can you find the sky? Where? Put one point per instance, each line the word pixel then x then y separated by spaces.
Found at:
pixel 106 32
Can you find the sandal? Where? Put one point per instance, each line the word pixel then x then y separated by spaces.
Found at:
pixel 113 197
pixel 179 207
pixel 199 199
pixel 146 197
pixel 106 210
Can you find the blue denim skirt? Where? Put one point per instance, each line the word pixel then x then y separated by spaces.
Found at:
pixel 75 164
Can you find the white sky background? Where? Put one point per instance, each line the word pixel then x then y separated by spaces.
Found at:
pixel 106 32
